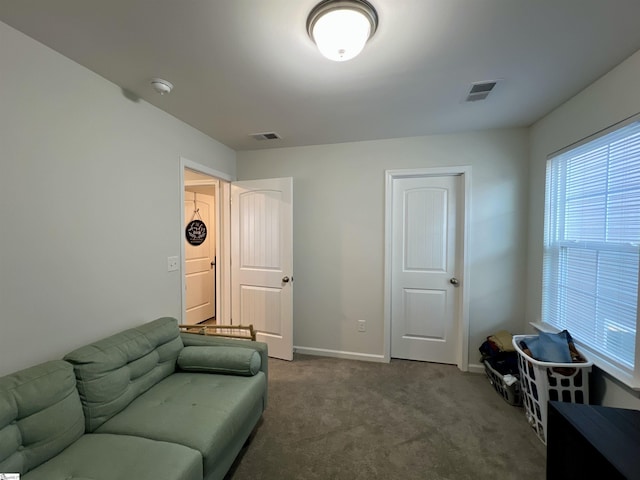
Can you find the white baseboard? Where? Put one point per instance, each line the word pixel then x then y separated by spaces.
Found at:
pixel 367 357
pixel 323 352
pixel 476 368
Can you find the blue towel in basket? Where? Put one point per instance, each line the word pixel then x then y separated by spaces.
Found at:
pixel 551 347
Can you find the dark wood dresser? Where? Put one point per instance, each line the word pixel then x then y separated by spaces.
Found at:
pixel 588 442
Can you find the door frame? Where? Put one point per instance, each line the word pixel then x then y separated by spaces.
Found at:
pixel 223 229
pixel 462 254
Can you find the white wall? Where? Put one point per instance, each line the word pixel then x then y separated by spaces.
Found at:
pixel 609 100
pixel 89 204
pixel 339 231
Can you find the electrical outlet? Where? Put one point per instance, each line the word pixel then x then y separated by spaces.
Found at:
pixel 362 325
pixel 172 264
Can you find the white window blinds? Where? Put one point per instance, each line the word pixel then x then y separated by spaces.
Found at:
pixel 591 246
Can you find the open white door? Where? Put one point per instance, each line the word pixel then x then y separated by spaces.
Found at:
pixel 262 261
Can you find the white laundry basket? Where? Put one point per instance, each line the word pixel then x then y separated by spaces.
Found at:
pixel 544 381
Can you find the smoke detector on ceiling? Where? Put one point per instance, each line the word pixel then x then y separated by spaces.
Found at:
pixel 161 86
pixel 480 90
pixel 266 136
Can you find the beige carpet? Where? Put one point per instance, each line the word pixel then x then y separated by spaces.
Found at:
pixel 342 419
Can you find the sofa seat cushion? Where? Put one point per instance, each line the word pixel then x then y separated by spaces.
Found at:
pixel 120 457
pixel 211 413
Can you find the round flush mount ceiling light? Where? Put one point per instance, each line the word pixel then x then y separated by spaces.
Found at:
pixel 161 86
pixel 341 28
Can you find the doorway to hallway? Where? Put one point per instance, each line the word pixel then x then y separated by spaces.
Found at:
pixel 206 259
pixel 256 237
pixel 200 251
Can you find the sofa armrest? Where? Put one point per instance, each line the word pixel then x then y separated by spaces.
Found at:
pixel 194 340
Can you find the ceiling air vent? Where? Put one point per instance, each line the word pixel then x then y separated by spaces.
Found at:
pixel 480 91
pixel 266 136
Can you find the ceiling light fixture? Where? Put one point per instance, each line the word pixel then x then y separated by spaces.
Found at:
pixel 161 86
pixel 341 28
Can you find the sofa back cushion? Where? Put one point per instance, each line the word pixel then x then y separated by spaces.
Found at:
pixel 112 372
pixel 40 415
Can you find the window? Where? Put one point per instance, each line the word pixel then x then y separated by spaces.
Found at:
pixel 592 245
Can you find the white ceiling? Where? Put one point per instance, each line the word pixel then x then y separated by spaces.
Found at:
pixel 246 66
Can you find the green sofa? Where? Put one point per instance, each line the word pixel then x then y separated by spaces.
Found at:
pixel 146 403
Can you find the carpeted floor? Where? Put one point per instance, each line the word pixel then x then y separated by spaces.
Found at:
pixel 341 419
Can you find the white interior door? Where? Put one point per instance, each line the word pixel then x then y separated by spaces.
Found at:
pixel 424 293
pixel 199 259
pixel 262 261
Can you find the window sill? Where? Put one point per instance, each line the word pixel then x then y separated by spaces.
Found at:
pixel 623 376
